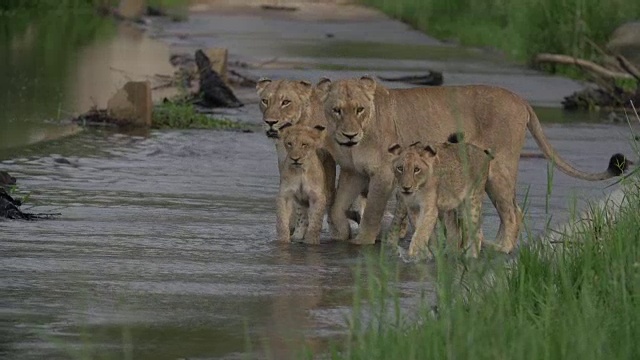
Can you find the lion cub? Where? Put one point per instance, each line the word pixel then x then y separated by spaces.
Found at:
pixel 302 181
pixel 440 181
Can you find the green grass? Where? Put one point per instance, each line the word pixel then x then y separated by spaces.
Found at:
pixel 184 116
pixel 579 301
pixel 576 299
pixel 520 28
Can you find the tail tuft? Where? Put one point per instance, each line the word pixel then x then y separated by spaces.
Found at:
pixel 455 137
pixel 618 164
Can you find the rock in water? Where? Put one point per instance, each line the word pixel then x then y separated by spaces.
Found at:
pixel 6 179
pixel 214 92
pixel 9 209
pixel 132 105
pixel 625 40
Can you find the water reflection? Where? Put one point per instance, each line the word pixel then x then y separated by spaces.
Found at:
pixel 57 66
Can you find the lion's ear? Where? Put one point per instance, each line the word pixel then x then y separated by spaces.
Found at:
pixel 323 87
pixel 262 84
pixel 430 150
pixel 395 149
pixel 369 85
pixel 305 87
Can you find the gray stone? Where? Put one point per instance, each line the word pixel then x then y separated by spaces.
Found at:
pixel 625 40
pixel 132 104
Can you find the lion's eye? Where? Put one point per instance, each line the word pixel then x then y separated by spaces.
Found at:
pixel 286 102
pixel 416 170
pixel 359 110
pixel 304 146
pixel 289 144
pixel 265 102
pixel 337 110
pixel 400 168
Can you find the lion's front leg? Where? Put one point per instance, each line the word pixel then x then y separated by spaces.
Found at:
pixel 399 225
pixel 300 221
pixel 350 185
pixel 317 207
pixel 474 237
pixel 380 188
pixel 452 228
pixel 425 224
pixel 284 208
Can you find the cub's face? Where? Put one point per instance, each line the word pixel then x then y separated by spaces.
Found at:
pixel 301 143
pixel 282 102
pixel 412 166
pixel 349 107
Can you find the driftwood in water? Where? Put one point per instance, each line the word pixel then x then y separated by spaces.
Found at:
pixel 585 64
pixel 609 93
pixel 278 7
pixel 433 78
pixel 591 98
pixel 213 91
pixel 10 207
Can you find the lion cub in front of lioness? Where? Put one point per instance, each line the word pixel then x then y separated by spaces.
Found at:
pixel 442 181
pixel 302 181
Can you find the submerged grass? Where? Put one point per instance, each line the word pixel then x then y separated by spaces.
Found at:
pixel 520 28
pixel 579 299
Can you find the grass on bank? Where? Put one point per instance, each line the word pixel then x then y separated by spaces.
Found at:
pixel 579 299
pixel 520 28
pixel 179 115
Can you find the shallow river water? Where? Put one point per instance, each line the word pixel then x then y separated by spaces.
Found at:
pixel 165 246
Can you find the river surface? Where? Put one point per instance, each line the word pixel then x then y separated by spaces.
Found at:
pixel 165 247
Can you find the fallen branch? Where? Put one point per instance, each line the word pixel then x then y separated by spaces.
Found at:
pixel 628 67
pixel 585 64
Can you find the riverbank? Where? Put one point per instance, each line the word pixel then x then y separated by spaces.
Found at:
pixel 518 28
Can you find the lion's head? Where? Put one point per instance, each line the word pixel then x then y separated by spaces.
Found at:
pixel 282 102
pixel 301 143
pixel 349 107
pixel 413 166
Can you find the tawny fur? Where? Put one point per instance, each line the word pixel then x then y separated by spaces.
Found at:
pixel 292 102
pixel 302 182
pixel 441 181
pixel 364 117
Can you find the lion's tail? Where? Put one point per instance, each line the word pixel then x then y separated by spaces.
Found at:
pixel 617 164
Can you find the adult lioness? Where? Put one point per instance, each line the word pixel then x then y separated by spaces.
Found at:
pixel 302 181
pixel 291 102
pixel 440 181
pixel 364 117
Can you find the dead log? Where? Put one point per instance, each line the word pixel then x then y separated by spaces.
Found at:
pixel 9 209
pixel 433 78
pixel 585 64
pixel 213 91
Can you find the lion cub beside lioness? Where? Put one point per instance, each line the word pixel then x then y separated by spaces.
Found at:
pixel 441 181
pixel 302 181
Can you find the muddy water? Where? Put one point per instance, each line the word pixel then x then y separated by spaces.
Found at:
pixel 166 243
pixel 167 240
pixel 48 79
pixel 165 248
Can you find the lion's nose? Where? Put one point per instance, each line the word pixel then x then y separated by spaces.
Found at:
pixel 350 135
pixel 271 122
pixel 295 158
pixel 406 188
